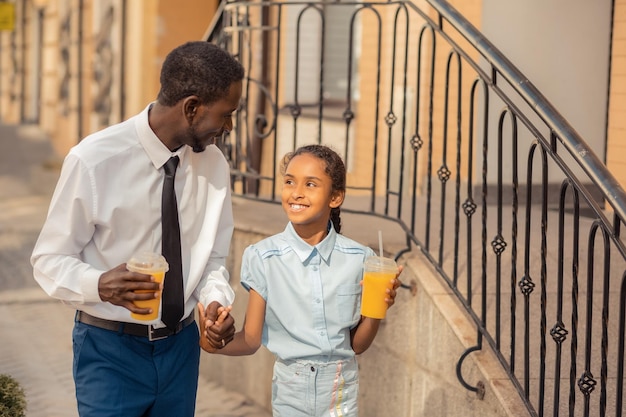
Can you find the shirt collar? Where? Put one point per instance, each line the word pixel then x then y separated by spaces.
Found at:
pixel 304 251
pixel 155 149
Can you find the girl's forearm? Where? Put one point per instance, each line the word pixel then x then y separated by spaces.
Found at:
pixel 363 335
pixel 248 340
pixel 241 345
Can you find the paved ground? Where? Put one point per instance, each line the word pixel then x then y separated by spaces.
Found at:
pixel 36 346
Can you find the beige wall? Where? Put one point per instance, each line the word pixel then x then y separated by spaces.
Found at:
pixel 616 146
pixel 90 34
pixel 158 27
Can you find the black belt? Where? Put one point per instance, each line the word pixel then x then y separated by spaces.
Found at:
pixel 133 329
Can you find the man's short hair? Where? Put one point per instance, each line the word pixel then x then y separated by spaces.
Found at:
pixel 198 68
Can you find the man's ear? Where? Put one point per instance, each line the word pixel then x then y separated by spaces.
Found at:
pixel 336 199
pixel 190 108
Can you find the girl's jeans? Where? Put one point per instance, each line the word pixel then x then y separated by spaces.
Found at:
pixel 311 388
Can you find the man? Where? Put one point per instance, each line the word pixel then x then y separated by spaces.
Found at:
pixel 107 207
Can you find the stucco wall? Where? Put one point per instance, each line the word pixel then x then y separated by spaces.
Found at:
pixel 568 62
pixel 616 145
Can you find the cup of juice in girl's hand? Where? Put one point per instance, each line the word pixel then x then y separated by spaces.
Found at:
pixel 378 274
pixel 148 263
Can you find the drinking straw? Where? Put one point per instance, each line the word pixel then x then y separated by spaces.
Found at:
pixel 380 242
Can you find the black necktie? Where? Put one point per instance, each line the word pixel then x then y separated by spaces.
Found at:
pixel 172 307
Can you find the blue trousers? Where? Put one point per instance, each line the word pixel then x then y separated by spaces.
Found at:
pixel 128 376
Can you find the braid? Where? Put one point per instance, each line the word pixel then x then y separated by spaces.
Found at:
pixel 335 217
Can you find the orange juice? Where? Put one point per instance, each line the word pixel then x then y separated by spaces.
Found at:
pixel 153 303
pixel 377 278
pixel 149 264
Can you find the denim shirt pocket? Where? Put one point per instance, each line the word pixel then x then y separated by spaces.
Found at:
pixel 349 303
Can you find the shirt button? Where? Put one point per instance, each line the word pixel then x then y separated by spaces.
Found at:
pixel 317 300
pixel 312 369
pixel 315 268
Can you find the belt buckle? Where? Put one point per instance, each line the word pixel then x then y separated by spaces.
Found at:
pixel 151 334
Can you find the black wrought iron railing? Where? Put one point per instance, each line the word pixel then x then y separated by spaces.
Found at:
pixel 445 136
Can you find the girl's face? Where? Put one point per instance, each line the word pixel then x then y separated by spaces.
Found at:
pixel 308 196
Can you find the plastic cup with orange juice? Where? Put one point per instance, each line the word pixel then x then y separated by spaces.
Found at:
pixel 148 263
pixel 378 274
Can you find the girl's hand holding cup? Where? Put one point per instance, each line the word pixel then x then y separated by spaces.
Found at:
pixel 391 292
pixel 380 281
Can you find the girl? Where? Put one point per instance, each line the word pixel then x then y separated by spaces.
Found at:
pixel 304 286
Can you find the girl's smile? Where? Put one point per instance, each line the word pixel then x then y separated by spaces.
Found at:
pixel 308 196
pixel 297 207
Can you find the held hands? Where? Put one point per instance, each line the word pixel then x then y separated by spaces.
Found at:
pixel 391 293
pixel 217 326
pixel 118 286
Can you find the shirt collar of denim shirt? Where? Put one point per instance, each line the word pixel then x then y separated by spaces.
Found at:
pixel 304 251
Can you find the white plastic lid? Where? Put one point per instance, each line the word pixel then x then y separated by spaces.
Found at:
pixel 147 261
pixel 377 263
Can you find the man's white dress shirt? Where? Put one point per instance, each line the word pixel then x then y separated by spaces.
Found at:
pixel 107 206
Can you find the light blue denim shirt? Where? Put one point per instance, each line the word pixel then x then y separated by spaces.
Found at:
pixel 312 293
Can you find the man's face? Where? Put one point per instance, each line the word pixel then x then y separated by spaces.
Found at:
pixel 213 120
